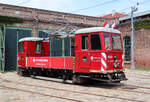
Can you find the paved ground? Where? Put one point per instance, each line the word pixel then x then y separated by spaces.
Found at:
pixel 14 88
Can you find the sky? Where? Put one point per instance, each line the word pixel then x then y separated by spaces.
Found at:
pixel 84 7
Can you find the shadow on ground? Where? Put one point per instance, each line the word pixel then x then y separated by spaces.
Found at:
pixel 90 83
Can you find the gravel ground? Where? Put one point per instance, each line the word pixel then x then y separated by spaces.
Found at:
pixel 14 88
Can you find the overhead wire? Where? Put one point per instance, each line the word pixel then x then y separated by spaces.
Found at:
pixel 127 8
pixel 108 2
pixel 94 6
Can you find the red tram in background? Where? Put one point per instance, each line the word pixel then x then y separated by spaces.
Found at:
pixel 97 53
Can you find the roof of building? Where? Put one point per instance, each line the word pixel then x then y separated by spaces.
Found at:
pixel 97 29
pixel 31 39
pixel 114 15
pixel 135 15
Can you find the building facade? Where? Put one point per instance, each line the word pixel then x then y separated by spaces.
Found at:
pixel 142 38
pixel 28 22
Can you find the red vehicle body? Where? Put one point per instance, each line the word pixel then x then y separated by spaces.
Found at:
pixel 98 54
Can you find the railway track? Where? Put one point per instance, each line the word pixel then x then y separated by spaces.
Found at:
pixel 33 92
pixel 139 77
pixel 79 92
pixel 147 75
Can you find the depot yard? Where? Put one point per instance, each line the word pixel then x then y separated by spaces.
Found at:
pixel 14 88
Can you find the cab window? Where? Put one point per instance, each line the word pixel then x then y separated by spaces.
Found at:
pixel 107 42
pixel 95 42
pixel 38 47
pixel 84 42
pixel 116 42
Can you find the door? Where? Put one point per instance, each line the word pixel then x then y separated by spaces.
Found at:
pixel 95 52
pixel 10 49
pixel 83 55
pixel 11 46
pixel 1 48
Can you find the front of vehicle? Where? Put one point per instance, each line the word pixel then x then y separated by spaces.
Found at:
pixel 112 62
pixel 99 54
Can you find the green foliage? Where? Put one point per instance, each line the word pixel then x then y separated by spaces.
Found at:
pixel 143 69
pixel 142 24
pixel 10 20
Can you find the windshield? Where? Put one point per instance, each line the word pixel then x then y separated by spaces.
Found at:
pixel 116 42
pixel 107 42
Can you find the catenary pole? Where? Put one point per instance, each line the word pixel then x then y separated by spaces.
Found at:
pixel 133 9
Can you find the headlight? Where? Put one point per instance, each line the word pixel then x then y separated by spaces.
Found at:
pixel 115 57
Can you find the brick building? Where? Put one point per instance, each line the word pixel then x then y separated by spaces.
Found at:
pixel 24 22
pixel 142 38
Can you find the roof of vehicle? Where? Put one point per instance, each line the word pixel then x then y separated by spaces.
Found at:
pixel 31 39
pixel 97 29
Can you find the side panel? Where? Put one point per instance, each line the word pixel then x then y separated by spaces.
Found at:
pixel 82 57
pixel 95 61
pixel 45 48
pixel 50 62
pixel 42 62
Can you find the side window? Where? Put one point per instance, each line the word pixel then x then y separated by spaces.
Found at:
pixel 22 47
pixel 38 47
pixel 107 42
pixel 72 47
pixel 84 42
pixel 95 42
pixel 19 47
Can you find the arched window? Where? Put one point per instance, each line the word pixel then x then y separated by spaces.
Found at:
pixel 127 48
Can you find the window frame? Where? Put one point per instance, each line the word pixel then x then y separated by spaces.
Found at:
pixel 120 42
pixel 85 42
pixel 99 41
pixel 38 43
pixel 109 41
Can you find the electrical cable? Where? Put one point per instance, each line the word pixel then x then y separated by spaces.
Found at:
pixel 97 5
pixel 127 8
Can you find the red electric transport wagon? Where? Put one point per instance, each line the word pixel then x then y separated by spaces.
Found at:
pixel 97 53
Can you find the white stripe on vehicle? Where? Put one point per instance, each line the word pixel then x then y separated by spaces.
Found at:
pixel 102 69
pixel 122 60
pixel 104 55
pixel 103 63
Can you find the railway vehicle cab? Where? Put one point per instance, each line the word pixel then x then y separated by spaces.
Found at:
pixel 31 47
pixel 99 51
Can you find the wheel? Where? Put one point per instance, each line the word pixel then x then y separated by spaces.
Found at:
pixel 76 79
pixel 23 72
pixel 64 77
